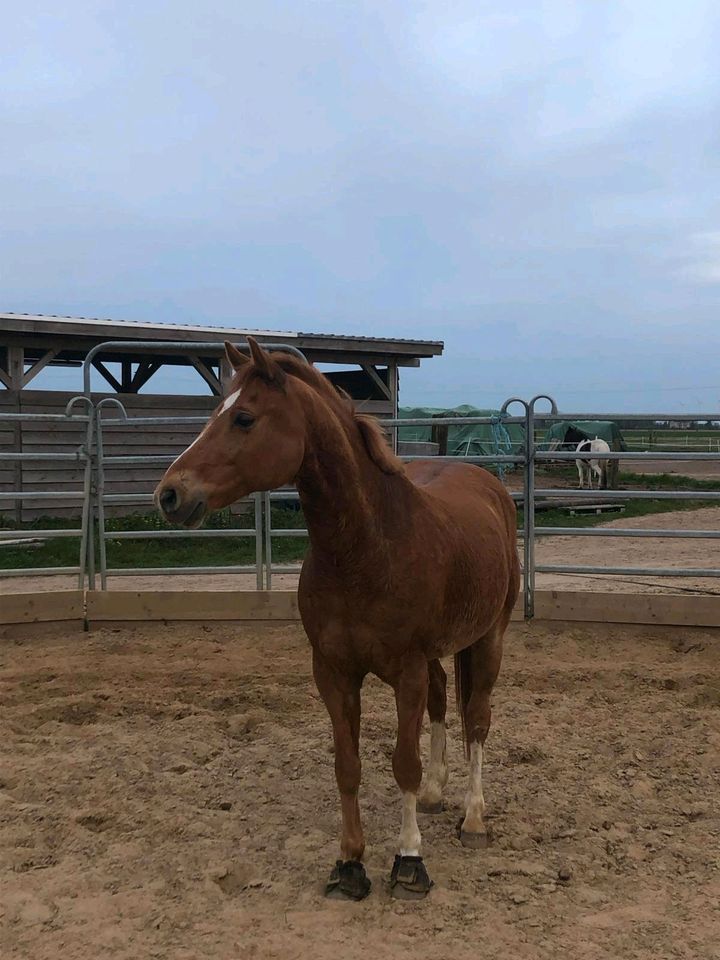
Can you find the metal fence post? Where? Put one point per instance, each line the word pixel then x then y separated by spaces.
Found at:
pixel 259 537
pixel 529 513
pixel 268 541
pixel 86 524
pixel 530 449
pixel 528 506
pixel 100 483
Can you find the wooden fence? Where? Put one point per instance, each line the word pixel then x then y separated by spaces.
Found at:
pixel 55 437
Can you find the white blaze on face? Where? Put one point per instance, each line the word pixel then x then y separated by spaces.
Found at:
pixel 231 401
pixel 188 447
pixel 227 405
pixel 410 838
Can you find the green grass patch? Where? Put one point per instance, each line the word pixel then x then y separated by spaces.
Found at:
pixel 228 551
pixel 176 552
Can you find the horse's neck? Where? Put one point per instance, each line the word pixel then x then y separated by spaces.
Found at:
pixel 344 496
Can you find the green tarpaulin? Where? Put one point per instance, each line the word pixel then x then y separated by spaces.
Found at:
pixel 475 439
pixel 572 432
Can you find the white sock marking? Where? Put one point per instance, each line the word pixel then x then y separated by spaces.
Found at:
pixel 410 838
pixel 474 799
pixel 438 756
pixel 436 775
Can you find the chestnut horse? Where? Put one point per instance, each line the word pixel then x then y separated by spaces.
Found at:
pixel 406 565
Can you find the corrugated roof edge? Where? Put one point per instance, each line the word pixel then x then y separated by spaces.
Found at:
pixel 240 331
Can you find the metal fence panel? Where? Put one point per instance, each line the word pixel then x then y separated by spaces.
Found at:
pixel 95 498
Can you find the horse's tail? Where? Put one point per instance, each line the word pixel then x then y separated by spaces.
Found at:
pixel 463 690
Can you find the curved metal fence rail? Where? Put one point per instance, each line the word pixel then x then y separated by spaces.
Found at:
pixel 104 499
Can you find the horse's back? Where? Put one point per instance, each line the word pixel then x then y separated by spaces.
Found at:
pixel 462 486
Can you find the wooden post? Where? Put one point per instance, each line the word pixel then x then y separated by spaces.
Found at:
pixel 15 371
pixel 126 376
pixel 394 382
pixel 205 370
pixel 226 374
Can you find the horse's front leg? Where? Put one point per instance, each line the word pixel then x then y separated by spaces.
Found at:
pixel 409 879
pixel 341 694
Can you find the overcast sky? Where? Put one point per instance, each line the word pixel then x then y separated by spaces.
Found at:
pixel 536 183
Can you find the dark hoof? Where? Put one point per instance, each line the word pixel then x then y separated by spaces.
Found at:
pixel 348 881
pixel 475 841
pixel 430 807
pixel 409 879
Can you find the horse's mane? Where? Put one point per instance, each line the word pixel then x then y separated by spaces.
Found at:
pixel 369 428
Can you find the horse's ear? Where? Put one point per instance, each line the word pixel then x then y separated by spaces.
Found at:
pixel 377 446
pixel 235 358
pixel 265 365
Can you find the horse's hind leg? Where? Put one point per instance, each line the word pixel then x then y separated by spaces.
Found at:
pixel 436 775
pixel 479 666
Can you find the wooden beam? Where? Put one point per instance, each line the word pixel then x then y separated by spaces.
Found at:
pixel 192 605
pixel 145 370
pixel 15 367
pixel 226 374
pixel 203 368
pixel 15 359
pixel 377 379
pixel 41 607
pixel 394 379
pixel 664 609
pixel 126 376
pixel 5 379
pixel 351 360
pixel 103 370
pixel 39 365
pixel 551 605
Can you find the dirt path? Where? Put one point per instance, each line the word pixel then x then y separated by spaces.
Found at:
pixel 169 793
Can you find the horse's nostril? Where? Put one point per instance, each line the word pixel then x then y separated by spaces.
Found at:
pixel 169 499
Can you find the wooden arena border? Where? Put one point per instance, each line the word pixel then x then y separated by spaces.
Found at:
pixel 93 608
pixel 56 607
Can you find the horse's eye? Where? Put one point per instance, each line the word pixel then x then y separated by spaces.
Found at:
pixel 244 420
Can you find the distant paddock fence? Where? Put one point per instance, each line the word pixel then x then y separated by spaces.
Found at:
pixel 95 461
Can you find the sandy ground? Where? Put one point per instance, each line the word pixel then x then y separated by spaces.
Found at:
pixel 598 551
pixel 169 793
pixel 624 552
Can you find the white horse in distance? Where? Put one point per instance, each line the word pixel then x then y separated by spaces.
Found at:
pixel 589 466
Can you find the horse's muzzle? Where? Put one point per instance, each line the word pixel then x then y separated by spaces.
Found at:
pixel 180 507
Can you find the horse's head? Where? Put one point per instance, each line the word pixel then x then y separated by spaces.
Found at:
pixel 255 440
